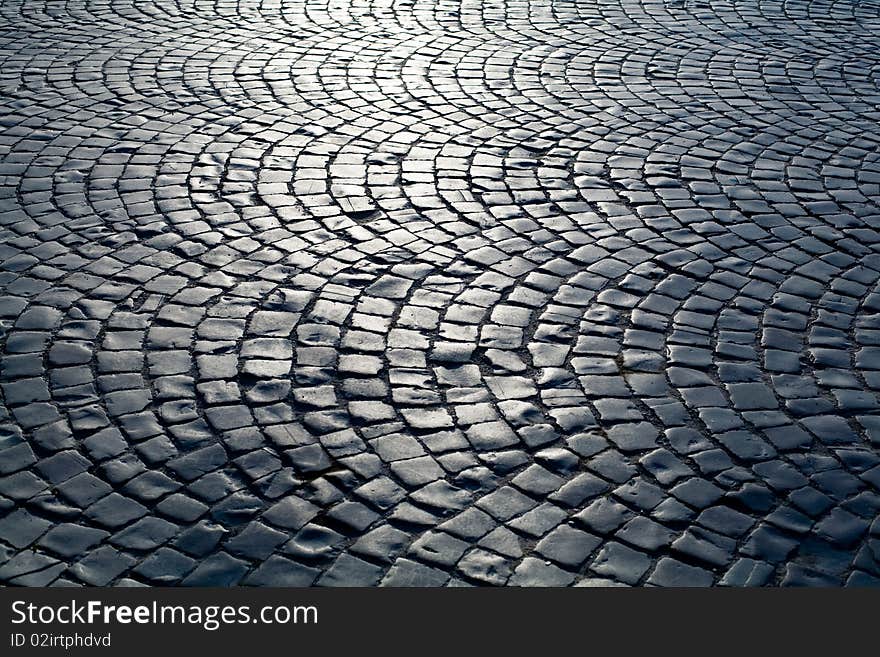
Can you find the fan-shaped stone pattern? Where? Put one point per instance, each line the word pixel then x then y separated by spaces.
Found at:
pixel 440 293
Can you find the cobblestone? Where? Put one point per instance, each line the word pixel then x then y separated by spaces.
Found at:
pixel 530 292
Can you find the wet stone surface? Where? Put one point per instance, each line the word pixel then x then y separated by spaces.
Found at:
pixel 445 293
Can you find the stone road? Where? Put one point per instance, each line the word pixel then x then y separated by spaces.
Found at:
pixel 446 292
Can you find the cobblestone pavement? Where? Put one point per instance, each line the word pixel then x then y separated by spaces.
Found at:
pixel 440 292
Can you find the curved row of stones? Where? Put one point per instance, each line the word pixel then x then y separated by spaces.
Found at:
pixel 528 293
